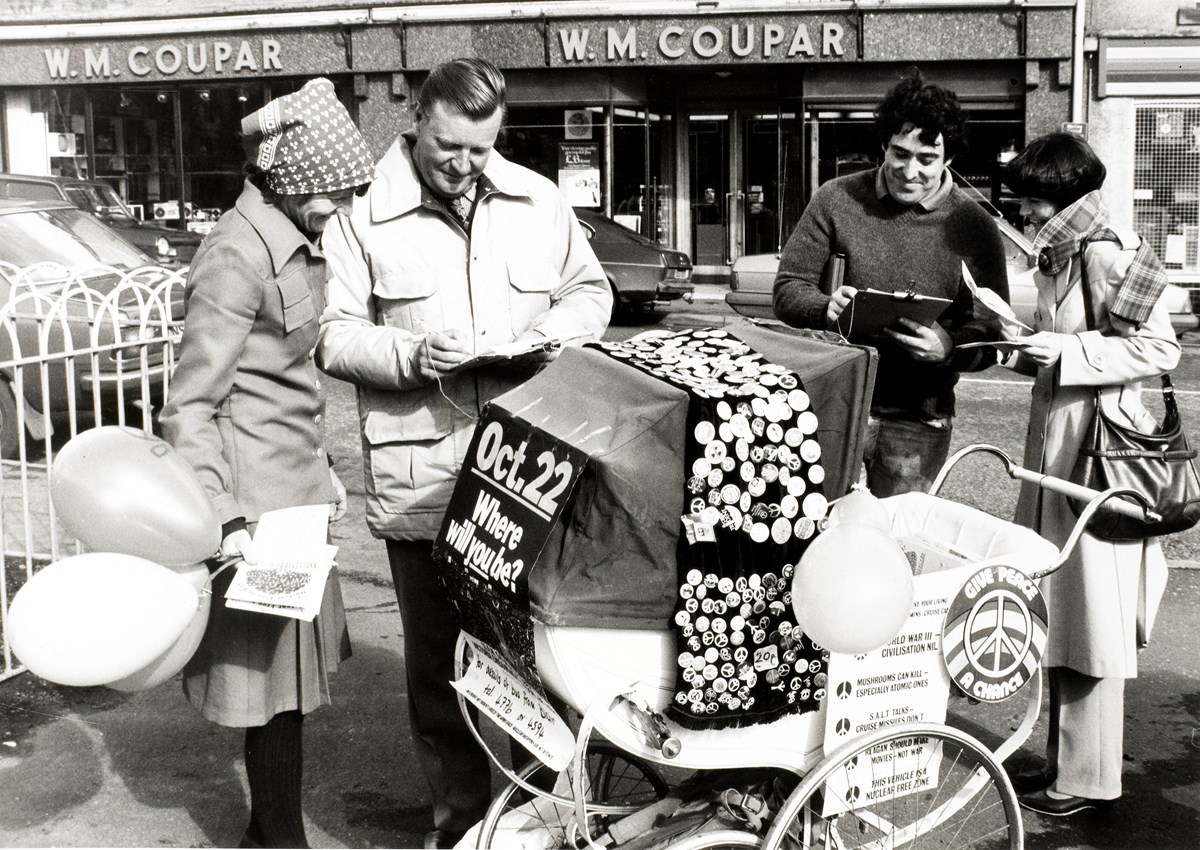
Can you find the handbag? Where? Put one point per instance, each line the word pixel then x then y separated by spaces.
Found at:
pixel 1160 465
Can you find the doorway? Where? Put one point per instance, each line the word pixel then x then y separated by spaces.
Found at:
pixel 745 186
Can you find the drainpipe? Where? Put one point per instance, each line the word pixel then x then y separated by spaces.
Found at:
pixel 1077 63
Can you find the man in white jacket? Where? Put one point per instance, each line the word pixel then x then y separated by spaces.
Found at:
pixel 455 251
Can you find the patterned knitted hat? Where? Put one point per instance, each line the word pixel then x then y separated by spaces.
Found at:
pixel 307 144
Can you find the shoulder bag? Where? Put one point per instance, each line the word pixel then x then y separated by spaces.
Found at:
pixel 1160 465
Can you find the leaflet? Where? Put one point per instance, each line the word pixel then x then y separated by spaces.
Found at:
pixel 510 351
pixel 990 304
pixel 293 563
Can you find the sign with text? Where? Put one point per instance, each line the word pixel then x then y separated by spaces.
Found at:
pixel 579 173
pixel 496 689
pixel 514 484
pixel 903 681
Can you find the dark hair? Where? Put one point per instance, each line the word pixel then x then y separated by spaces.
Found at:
pixel 934 110
pixel 1059 167
pixel 471 87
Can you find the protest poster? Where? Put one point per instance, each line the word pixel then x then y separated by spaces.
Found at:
pixel 514 484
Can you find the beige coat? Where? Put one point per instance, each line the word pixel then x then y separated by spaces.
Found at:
pixel 402 269
pixel 1107 592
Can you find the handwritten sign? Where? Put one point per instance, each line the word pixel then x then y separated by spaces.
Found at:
pixel 903 681
pixel 495 688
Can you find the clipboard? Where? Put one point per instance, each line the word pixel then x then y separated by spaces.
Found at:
pixel 872 310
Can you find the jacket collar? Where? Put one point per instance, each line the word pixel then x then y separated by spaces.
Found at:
pixel 278 232
pixel 931 203
pixel 398 188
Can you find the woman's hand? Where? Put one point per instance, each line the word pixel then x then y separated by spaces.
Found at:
pixel 1043 348
pixel 337 508
pixel 238 545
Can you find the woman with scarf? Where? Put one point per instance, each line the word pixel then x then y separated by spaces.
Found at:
pixel 1102 602
pixel 246 410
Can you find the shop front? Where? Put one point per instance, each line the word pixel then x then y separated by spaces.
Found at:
pixel 704 130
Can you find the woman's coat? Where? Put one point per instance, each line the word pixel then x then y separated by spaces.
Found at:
pixel 1102 602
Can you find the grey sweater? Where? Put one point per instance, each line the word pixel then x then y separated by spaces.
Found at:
pixel 890 246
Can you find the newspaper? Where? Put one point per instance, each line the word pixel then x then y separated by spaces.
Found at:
pixel 292 566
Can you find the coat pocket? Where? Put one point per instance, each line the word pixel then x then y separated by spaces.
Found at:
pixel 297 298
pixel 407 296
pixel 531 280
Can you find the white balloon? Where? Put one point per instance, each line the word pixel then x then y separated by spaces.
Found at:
pixel 95 618
pixel 861 506
pixel 852 590
pixel 177 656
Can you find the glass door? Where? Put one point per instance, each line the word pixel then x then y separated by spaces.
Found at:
pixel 772 181
pixel 711 193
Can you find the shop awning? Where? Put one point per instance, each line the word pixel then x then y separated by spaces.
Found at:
pixel 1149 66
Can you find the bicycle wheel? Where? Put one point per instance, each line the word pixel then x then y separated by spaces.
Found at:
pixel 620 783
pixel 718 841
pixel 920 785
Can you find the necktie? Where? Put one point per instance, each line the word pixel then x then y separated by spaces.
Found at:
pixel 461 210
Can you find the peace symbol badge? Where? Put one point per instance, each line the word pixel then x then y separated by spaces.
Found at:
pixel 994 633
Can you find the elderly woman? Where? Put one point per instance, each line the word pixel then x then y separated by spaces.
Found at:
pixel 1110 337
pixel 246 411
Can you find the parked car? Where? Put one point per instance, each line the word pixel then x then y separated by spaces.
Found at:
pixel 57 265
pixel 751 287
pixel 169 247
pixel 641 272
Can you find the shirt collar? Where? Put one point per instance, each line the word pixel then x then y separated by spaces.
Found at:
pixel 399 189
pixel 278 232
pixel 931 203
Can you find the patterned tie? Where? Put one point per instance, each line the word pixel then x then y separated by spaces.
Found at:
pixel 461 210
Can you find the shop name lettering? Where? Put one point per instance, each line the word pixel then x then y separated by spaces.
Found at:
pixel 768 41
pixel 140 60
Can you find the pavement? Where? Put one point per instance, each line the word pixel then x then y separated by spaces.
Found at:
pixel 91 767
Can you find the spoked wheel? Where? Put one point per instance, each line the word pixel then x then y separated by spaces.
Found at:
pixel 620 783
pixel 718 841
pixel 917 786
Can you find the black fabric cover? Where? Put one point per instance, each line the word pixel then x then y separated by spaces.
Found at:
pixel 611 561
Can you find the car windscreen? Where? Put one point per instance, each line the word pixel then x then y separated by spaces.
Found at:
pixel 67 237
pixel 99 198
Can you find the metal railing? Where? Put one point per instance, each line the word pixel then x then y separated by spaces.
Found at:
pixel 78 349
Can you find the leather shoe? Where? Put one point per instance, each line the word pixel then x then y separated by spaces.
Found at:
pixel 1030 781
pixel 1044 804
pixel 442 838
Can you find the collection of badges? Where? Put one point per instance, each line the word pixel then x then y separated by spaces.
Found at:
pixel 755 499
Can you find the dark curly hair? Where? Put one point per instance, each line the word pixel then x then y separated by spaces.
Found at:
pixel 1059 167
pixel 931 108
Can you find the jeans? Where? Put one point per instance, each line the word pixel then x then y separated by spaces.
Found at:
pixel 904 455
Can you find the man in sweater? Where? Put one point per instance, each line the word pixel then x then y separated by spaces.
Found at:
pixel 902 226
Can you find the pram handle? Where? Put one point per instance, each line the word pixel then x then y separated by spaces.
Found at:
pixel 1096 499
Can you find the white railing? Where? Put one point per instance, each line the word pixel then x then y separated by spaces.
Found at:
pixel 77 349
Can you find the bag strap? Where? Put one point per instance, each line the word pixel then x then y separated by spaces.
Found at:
pixel 1171 409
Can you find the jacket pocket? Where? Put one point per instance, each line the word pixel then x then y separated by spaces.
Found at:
pixel 407 296
pixel 531 280
pixel 298 307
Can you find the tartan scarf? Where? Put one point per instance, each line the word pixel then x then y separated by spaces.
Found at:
pixel 1067 233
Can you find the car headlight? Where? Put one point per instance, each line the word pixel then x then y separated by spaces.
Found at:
pixel 162 246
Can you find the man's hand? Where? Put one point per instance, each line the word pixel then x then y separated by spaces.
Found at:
pixel 927 344
pixel 238 544
pixel 841 298
pixel 1043 348
pixel 337 508
pixel 440 352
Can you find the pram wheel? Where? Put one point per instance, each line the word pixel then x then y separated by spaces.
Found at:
pixel 949 792
pixel 718 841
pixel 620 783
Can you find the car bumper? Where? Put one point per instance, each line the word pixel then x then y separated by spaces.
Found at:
pixel 755 305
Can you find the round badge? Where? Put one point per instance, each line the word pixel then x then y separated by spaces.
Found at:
pixel 711 515
pixel 798 400
pixel 807 422
pixel 759 532
pixel 814 506
pixel 728 464
pixel 725 432
pixel 730 494
pixel 816 474
pixel 725 584
pixel 775 432
pixel 994 633
pixel 795 487
pixel 705 431
pixel 789 506
pixel 724 410
pixel 715 476
pixel 714 451
pixel 793 437
pixel 810 450
pixel 805 528
pixel 747 471
pixel 701 467
pixel 756 487
pixel 781 530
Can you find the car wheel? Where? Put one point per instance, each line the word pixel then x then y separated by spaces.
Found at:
pixel 10 439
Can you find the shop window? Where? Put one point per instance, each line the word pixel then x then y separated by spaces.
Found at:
pixel 65 116
pixel 1166 184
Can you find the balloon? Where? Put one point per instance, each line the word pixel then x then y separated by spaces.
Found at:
pixel 861 506
pixel 95 618
pixel 122 490
pixel 178 654
pixel 853 589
